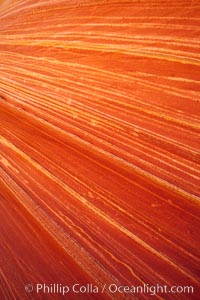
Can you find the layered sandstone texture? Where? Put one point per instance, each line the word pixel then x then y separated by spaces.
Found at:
pixel 99 146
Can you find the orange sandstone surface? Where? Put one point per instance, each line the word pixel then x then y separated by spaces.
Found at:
pixel 99 149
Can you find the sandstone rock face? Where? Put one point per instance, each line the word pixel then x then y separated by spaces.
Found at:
pixel 99 149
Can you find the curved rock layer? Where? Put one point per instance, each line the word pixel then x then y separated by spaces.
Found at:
pixel 99 165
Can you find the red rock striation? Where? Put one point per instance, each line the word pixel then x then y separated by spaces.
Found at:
pixel 99 147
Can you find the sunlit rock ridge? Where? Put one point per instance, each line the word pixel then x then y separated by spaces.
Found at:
pixel 99 147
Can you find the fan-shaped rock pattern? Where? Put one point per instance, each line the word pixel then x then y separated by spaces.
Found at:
pixel 99 147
